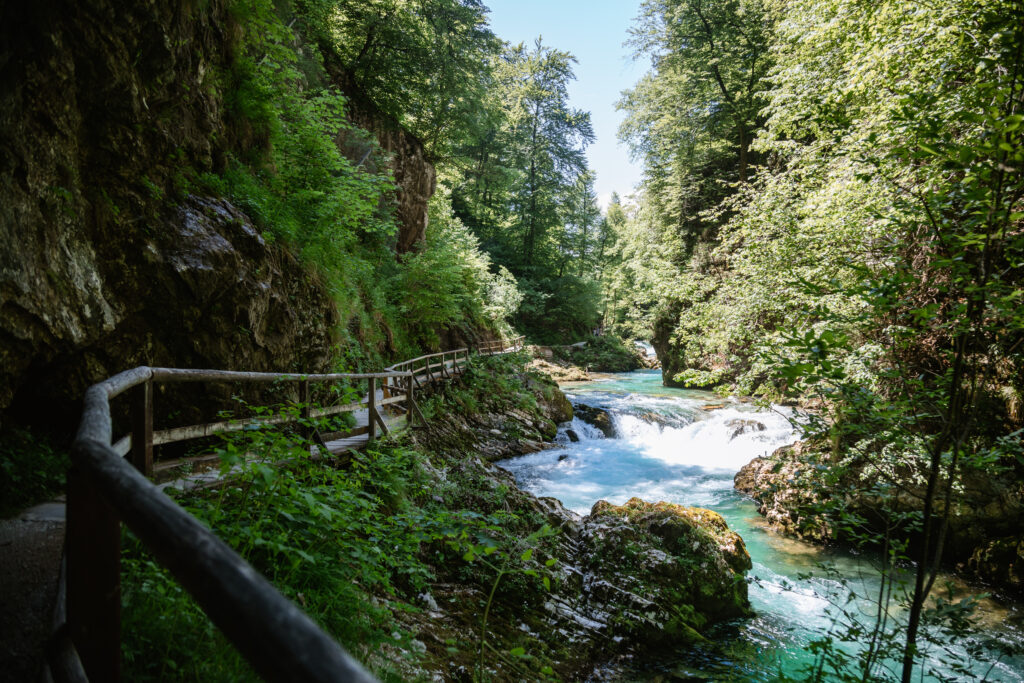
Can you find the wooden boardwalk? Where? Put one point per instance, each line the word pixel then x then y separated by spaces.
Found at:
pixel 110 484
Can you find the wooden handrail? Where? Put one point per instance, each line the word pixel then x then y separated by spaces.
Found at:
pixel 105 489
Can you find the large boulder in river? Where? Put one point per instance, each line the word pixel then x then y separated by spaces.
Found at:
pixel 599 417
pixel 790 505
pixel 676 569
pixel 799 491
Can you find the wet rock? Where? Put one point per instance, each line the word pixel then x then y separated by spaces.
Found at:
pixel 598 417
pixel 1000 562
pixel 738 427
pixel 573 436
pixel 984 536
pixel 789 506
pixel 559 371
pixel 663 420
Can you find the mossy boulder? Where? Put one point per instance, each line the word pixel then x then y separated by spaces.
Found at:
pixel 797 486
pixel 683 567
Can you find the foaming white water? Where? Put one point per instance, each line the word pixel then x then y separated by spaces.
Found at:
pixel 723 441
pixel 583 430
pixel 669 447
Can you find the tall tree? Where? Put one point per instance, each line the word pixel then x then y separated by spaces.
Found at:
pixel 422 62
pixel 546 139
pixel 692 117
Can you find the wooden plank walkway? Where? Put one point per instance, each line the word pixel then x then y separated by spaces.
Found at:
pixel 390 405
pixel 109 484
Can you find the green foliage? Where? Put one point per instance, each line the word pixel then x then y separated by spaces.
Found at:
pixel 606 353
pixel 448 282
pixel 518 559
pixel 525 190
pixel 32 468
pixel 871 260
pixel 354 543
pixel 560 309
pixel 423 63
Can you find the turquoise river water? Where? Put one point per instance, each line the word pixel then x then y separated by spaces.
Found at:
pixel 670 448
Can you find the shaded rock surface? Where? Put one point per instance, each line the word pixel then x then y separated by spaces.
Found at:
pixel 599 417
pixel 985 538
pixel 206 291
pixel 669 357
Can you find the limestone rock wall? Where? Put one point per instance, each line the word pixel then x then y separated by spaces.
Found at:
pixel 102 265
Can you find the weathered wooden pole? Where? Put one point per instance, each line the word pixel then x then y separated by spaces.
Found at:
pixel 94 578
pixel 141 456
pixel 371 413
pixel 305 410
pixel 410 400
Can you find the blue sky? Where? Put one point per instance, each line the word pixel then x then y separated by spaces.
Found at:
pixel 593 31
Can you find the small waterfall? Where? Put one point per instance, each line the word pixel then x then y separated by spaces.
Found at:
pixel 646 348
pixel 584 431
pixel 723 440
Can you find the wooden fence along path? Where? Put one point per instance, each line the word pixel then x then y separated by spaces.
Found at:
pixel 106 488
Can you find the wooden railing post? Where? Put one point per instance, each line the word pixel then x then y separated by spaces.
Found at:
pixel 93 548
pixel 142 427
pixel 410 401
pixel 371 412
pixel 305 409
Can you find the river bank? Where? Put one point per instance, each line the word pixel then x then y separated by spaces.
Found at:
pixel 690 456
pixel 428 562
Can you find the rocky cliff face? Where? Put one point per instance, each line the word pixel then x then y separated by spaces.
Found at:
pixel 668 355
pixel 414 174
pixel 106 261
pixel 414 177
pixel 101 102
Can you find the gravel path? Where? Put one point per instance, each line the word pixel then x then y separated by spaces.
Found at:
pixel 30 550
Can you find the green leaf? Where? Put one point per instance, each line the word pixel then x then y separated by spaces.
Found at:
pixel 527 555
pixel 517 651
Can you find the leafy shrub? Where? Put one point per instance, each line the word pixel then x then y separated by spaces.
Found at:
pixel 606 353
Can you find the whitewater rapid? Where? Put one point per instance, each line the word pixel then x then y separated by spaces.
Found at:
pixel 685 447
